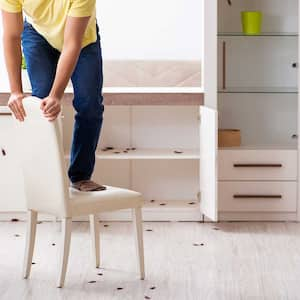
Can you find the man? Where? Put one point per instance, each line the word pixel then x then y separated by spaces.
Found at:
pixel 60 40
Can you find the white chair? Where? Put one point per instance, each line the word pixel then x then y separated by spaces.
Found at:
pixel 47 190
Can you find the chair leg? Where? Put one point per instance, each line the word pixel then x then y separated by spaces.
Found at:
pixel 30 240
pixel 138 226
pixel 94 228
pixel 65 249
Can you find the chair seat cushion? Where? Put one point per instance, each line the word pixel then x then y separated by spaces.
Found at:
pixel 112 198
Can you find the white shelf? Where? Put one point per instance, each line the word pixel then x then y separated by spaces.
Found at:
pixel 147 90
pixel 5 110
pixel 260 147
pixel 151 95
pixel 263 34
pixel 169 154
pixel 148 154
pixel 173 210
pixel 171 204
pixel 139 90
pixel 258 90
pixel 139 96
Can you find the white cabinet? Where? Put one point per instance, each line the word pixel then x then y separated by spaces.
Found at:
pixel 167 152
pixel 164 145
pixel 258 180
pixel 11 182
pixel 248 83
pixel 257 79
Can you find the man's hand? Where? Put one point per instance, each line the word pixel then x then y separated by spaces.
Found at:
pixel 16 106
pixel 51 107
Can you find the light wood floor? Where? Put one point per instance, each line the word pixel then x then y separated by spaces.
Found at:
pixel 238 261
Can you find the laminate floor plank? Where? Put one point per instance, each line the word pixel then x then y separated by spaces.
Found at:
pixel 183 260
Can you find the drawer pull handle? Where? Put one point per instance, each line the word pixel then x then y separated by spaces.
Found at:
pixel 5 113
pixel 257 165
pixel 3 152
pixel 257 196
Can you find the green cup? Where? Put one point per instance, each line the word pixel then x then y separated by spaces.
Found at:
pixel 251 21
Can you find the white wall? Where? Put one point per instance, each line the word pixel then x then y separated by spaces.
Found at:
pixel 144 29
pixel 4 86
pixel 150 29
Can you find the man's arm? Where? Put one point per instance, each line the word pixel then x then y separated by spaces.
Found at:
pixel 12 30
pixel 73 36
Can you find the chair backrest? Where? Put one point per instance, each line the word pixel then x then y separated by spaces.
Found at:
pixel 42 161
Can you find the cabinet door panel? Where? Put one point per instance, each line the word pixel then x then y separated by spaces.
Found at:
pixel 12 196
pixel 208 163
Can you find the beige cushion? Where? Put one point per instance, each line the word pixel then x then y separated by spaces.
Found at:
pixel 113 198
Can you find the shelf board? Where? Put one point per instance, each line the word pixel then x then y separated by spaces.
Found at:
pixel 139 96
pixel 152 90
pixel 173 210
pixel 148 154
pixel 263 34
pixel 150 95
pixel 258 90
pixel 5 110
pixel 171 204
pixel 260 147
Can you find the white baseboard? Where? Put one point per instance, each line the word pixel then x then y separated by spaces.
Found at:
pixel 165 214
pixel 258 216
pixel 149 214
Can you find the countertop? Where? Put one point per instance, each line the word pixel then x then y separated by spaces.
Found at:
pixel 140 96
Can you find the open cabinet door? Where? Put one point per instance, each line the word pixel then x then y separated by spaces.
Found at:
pixel 208 163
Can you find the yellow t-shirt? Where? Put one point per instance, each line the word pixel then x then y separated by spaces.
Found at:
pixel 48 17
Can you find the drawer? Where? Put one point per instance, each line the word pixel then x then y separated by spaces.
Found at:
pixel 257 196
pixel 257 165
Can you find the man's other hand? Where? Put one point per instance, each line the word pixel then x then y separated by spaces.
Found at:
pixel 51 107
pixel 16 106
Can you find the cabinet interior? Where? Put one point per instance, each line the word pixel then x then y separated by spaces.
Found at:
pixel 156 133
pixel 258 75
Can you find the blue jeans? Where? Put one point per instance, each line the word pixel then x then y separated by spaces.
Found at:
pixel 87 80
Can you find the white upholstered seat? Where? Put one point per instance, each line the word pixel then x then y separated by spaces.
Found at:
pixel 112 198
pixel 47 189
